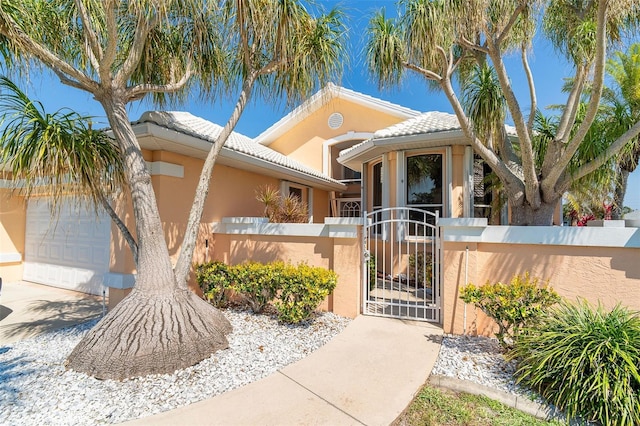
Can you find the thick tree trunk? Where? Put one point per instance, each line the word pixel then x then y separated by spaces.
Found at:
pixel 160 327
pixel 155 334
pixel 526 215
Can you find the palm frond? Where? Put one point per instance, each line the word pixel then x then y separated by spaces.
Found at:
pixel 484 103
pixel 385 50
pixel 55 154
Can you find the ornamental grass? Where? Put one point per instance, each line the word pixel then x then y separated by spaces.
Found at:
pixel 584 360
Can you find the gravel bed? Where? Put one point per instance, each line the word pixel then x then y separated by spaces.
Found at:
pixel 477 359
pixel 36 389
pixel 481 360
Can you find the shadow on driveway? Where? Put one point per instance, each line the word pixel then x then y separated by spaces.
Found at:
pixel 4 312
pixel 41 316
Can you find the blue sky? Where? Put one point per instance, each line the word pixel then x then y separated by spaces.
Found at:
pixel 548 69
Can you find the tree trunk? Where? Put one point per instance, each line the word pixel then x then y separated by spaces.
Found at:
pixel 619 193
pixel 159 327
pixel 526 215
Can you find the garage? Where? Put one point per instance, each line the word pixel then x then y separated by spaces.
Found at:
pixel 71 252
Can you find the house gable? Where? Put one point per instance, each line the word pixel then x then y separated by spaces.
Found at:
pixel 321 100
pixel 309 135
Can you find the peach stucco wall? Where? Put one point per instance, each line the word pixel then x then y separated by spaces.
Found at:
pixel 232 193
pixel 607 275
pixel 13 213
pixel 341 255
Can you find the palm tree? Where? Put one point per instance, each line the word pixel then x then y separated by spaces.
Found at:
pixel 62 152
pixel 121 52
pixel 442 39
pixel 621 110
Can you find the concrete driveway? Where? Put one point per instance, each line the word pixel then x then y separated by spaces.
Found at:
pixel 28 309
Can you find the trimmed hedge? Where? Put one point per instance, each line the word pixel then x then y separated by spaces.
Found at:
pixel 214 278
pixel 258 283
pixel 295 291
pixel 303 288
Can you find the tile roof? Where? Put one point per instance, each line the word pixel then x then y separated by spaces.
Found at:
pixel 428 122
pixel 189 124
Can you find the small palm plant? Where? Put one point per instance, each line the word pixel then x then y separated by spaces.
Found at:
pixel 282 209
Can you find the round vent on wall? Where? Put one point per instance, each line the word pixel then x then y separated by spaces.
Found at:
pixel 335 120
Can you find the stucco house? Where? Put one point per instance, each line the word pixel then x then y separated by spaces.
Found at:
pixel 379 180
pixel 298 155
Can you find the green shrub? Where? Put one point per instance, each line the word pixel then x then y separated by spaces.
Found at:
pixel 258 283
pixel 421 268
pixel 295 291
pixel 214 278
pixel 585 361
pixel 373 272
pixel 511 305
pixel 304 287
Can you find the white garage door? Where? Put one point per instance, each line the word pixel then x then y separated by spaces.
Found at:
pixel 72 253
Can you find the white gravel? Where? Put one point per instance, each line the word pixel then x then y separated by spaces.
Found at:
pixel 482 360
pixel 35 388
pixel 477 359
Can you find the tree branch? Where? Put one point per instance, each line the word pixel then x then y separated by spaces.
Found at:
pixel 532 90
pixel 513 183
pixel 94 51
pixel 135 52
pixel 270 67
pixel 121 226
pixel 30 46
pixel 512 21
pixel 138 91
pixel 567 120
pixel 473 46
pixel 601 159
pixel 73 83
pixel 571 109
pixel 425 72
pixel 110 52
pixel 183 264
pixel 592 109
pixel 526 147
pixel 246 51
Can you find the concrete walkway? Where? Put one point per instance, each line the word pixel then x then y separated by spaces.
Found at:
pixel 28 309
pixel 366 375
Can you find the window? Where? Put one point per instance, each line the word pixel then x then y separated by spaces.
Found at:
pixel 337 170
pixel 302 193
pixel 424 183
pixel 376 187
pixel 348 174
pixel 296 192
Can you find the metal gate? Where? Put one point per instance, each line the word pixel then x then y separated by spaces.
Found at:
pixel 401 265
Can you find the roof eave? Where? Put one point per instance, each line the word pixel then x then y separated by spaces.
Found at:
pixel 184 144
pixel 375 147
